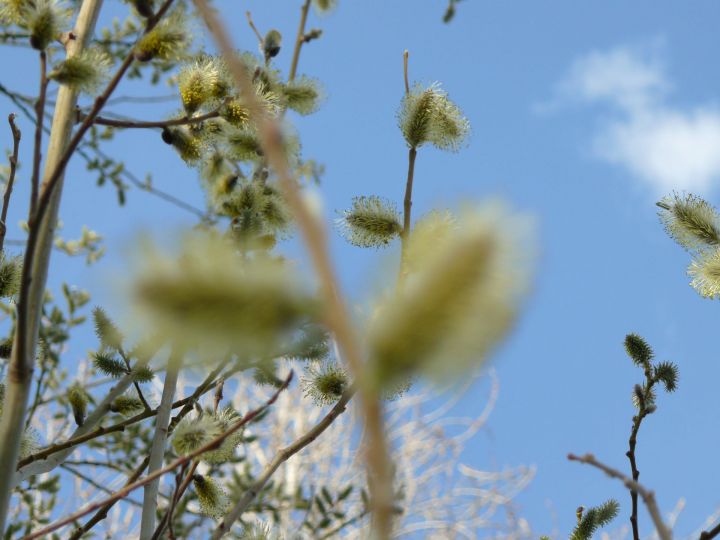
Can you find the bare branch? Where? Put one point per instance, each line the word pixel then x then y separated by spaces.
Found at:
pixel 647 495
pixel 299 40
pixel 11 178
pixel 140 124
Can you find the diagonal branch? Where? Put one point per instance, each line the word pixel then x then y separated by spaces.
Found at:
pixel 123 492
pixel 281 457
pixel 187 403
pixel 647 495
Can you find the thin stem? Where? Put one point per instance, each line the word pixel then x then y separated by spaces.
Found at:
pixel 17 135
pixel 331 533
pixel 406 56
pixel 177 495
pixel 643 411
pixel 280 457
pixel 140 124
pixel 299 40
pixel 647 495
pixel 407 201
pixel 712 533
pixel 254 28
pixel 632 443
pixel 313 234
pixel 123 492
pixel 37 153
pixel 157 450
pixel 139 391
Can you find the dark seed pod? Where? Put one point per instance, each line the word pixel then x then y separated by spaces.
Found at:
pixel 144 7
pixel 167 136
pixel 271 44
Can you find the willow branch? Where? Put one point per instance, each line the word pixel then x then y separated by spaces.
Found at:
pixel 188 406
pixel 157 450
pixel 712 533
pixel 632 443
pixel 406 57
pixel 647 495
pixel 280 457
pixel 299 40
pixel 103 511
pixel 82 476
pixel 126 490
pixel 37 151
pixel 16 135
pixel 313 234
pixel 254 28
pixel 34 273
pixel 407 200
pixel 187 403
pixel 140 124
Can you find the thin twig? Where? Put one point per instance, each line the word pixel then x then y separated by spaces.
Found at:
pixel 187 403
pixel 407 200
pixel 140 124
pixel 406 56
pixel 299 40
pixel 712 533
pixel 95 484
pixel 254 28
pixel 37 151
pixel 19 100
pixel 643 411
pixel 103 511
pixel 280 457
pixel 647 495
pixel 123 492
pixel 313 234
pixel 180 489
pixel 17 135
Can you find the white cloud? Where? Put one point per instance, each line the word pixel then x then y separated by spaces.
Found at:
pixel 668 147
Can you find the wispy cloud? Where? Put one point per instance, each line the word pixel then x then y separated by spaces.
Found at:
pixel 669 147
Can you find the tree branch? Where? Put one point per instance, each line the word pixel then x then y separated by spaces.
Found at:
pixel 157 450
pixel 712 533
pixel 299 40
pixel 37 150
pixel 140 124
pixel 648 496
pixel 123 492
pixel 17 135
pixel 187 403
pixel 281 457
pixel 188 406
pixel 34 274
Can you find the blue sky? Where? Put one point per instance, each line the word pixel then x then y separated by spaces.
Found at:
pixel 583 114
